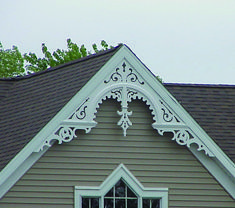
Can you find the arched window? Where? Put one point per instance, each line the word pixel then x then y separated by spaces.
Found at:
pixel 121 190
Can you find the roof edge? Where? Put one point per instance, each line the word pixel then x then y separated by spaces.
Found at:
pixel 12 172
pixel 50 69
pixel 164 94
pixel 200 85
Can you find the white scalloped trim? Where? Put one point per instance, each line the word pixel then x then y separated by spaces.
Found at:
pixel 125 85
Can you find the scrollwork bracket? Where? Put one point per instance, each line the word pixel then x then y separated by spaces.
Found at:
pixel 125 85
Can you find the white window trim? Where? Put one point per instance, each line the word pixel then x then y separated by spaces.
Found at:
pixel 121 172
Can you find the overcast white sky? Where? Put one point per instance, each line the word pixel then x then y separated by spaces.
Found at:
pixel 187 41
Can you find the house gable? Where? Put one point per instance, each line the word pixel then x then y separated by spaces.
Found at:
pixel 123 78
pixel 41 95
pixel 88 160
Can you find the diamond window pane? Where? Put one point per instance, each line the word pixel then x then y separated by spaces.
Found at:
pixel 130 193
pixel 110 193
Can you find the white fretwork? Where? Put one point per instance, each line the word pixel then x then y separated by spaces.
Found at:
pixel 125 84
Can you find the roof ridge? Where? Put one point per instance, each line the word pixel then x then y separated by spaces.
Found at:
pixel 100 53
pixel 200 85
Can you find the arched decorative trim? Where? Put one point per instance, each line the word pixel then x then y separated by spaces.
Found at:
pixel 221 166
pixel 125 84
pixel 183 135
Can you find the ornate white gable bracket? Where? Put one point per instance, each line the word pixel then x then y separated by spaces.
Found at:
pixel 182 134
pixel 125 84
pixel 125 93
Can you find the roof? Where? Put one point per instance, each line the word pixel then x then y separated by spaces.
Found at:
pixel 28 103
pixel 213 107
pixel 37 109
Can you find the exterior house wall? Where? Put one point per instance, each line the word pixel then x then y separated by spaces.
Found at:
pixel 154 160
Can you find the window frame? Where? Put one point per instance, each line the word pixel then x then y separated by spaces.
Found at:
pixel 121 172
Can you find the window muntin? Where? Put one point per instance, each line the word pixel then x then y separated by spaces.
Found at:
pixel 151 203
pixel 132 188
pixel 90 202
pixel 120 196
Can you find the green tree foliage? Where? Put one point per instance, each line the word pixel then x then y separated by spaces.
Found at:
pixel 13 63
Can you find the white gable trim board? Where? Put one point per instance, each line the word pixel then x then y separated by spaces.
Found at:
pixel 121 172
pixel 125 78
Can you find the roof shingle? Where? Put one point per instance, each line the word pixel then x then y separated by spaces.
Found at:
pixel 29 103
pixel 213 107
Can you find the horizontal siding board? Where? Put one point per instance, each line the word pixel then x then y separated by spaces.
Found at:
pixel 116 149
pixel 64 183
pixel 101 172
pixel 108 160
pixel 32 194
pixel 165 167
pixel 138 119
pixel 197 192
pixel 80 166
pixel 135 126
pixel 155 160
pixel 178 186
pixel 71 166
pixel 127 143
pixel 45 189
pixel 75 154
pixel 119 132
pixel 202 198
pixel 90 177
pixel 38 200
pixel 168 180
pixel 198 203
pixel 147 138
pixel 24 205
pixel 63 178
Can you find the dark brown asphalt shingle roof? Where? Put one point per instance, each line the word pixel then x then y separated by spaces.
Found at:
pixel 213 107
pixel 27 104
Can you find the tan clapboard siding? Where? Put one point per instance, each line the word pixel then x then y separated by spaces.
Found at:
pixel 115 155
pixel 155 160
pixel 159 173
pixel 111 160
pixel 23 205
pixel 44 189
pixel 66 166
pixel 38 199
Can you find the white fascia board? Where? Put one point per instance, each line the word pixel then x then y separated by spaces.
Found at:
pixel 224 166
pixel 182 113
pixel 18 166
pixel 9 176
pixel 224 163
pixel 123 53
pixel 222 158
pixel 213 166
